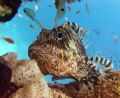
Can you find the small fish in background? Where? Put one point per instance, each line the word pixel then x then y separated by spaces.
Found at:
pixel 31 14
pixel 9 40
pixel 71 1
pixel 31 26
pixel 116 39
pixel 87 8
pixel 49 5
pixel 57 2
pixel 61 10
pixel 97 31
pixel 69 9
pixel 77 12
pixel 36 3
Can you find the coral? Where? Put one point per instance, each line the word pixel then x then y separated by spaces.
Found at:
pixel 108 87
pixel 8 9
pixel 29 82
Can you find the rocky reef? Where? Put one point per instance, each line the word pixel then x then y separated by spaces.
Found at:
pixel 108 87
pixel 8 9
pixel 25 80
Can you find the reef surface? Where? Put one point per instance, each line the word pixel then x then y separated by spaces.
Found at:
pixel 27 81
pixel 8 9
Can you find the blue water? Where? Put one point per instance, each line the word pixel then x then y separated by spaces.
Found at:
pixel 104 16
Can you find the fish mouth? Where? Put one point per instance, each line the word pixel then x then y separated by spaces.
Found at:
pixel 62 69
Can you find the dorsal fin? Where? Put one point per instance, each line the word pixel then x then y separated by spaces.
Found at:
pixel 100 60
pixel 79 30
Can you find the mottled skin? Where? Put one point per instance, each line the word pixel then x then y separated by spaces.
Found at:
pixel 60 52
pixel 108 87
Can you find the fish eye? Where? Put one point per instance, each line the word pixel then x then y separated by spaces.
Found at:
pixel 60 36
pixel 62 9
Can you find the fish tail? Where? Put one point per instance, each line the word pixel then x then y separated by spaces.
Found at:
pixel 100 60
pixel 39 24
pixel 87 8
pixel 79 30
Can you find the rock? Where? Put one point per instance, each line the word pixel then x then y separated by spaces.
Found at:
pixel 8 9
pixel 5 77
pixel 108 87
pixel 10 59
pixel 28 75
pixel 27 81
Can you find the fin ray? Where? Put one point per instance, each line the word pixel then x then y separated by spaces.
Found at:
pixel 79 30
pixel 100 60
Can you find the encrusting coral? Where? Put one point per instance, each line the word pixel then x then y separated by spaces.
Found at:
pixel 27 79
pixel 8 9
pixel 108 87
pixel 30 83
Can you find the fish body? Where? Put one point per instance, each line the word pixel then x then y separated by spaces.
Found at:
pixel 57 3
pixel 77 12
pixel 69 9
pixel 49 5
pixel 61 10
pixel 31 26
pixel 71 1
pixel 31 14
pixel 9 40
pixel 60 52
pixel 59 47
pixel 87 8
pixel 81 32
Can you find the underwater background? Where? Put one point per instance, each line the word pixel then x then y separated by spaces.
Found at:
pixel 103 24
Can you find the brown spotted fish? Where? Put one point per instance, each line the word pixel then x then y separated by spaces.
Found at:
pixel 61 52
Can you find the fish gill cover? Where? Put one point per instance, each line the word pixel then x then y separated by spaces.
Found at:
pixel 99 17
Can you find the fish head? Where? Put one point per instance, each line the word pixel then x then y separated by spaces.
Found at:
pixel 62 37
pixel 57 51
